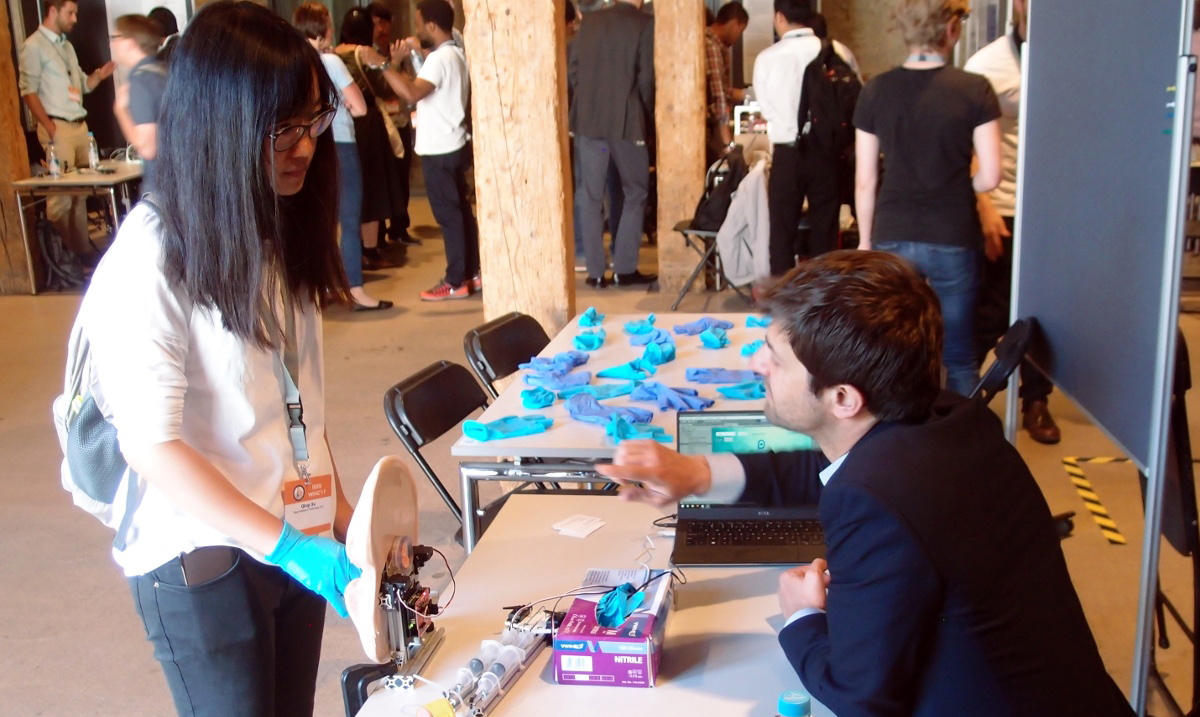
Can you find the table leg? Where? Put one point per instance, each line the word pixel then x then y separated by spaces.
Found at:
pixel 470 521
pixel 33 288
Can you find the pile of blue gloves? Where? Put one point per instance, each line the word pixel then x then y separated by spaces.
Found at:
pixel 744 391
pixel 701 325
pixel 714 338
pixel 602 390
pixel 584 407
pixel 535 398
pixel 619 429
pixel 752 348
pixel 635 370
pixel 562 363
pixel 640 326
pixel 659 354
pixel 589 340
pixel 558 380
pixel 758 321
pixel 722 375
pixel 679 399
pixel 507 427
pixel 591 317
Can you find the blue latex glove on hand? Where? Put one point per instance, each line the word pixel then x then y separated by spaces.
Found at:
pixel 619 429
pixel 654 336
pixel 679 399
pixel 591 317
pixel 563 362
pixel 558 380
pixel 701 325
pixel 758 321
pixel 635 370
pixel 659 354
pixel 589 340
pixel 535 398
pixel 583 407
pixel 744 391
pixel 602 390
pixel 641 326
pixel 752 348
pixel 721 375
pixel 317 563
pixel 507 427
pixel 714 338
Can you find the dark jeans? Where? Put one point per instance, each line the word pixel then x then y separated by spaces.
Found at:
pixel 446 186
pixel 632 162
pixel 953 273
pixel 244 644
pixel 992 318
pixel 350 194
pixel 795 175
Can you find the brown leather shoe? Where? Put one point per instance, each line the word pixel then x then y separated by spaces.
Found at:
pixel 1037 420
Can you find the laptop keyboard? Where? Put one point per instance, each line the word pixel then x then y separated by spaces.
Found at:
pixel 753 532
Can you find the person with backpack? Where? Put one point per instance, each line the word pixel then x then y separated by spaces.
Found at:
pixel 800 168
pixel 200 343
pixel 928 118
pixel 134 48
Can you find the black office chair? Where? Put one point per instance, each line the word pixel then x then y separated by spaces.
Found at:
pixel 428 404
pixel 1013 346
pixel 495 349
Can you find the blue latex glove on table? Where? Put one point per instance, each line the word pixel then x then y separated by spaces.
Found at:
pixel 721 375
pixel 558 380
pixel 591 317
pixel 563 362
pixel 714 338
pixel 586 408
pixel 701 325
pixel 752 348
pixel 319 564
pixel 744 391
pixel 535 398
pixel 618 604
pixel 636 370
pixel 589 340
pixel 679 399
pixel 507 427
pixel 659 354
pixel 758 321
pixel 654 336
pixel 601 390
pixel 640 326
pixel 619 429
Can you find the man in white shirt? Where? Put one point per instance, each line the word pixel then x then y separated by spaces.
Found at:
pixel 797 171
pixel 52 86
pixel 440 92
pixel 1000 63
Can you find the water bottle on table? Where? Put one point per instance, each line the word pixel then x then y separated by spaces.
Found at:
pixel 93 152
pixel 52 162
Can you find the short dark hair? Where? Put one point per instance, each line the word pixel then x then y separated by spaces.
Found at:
pixel 867 319
pixel 796 12
pixel 144 32
pixel 732 12
pixel 379 11
pixel 357 27
pixel 438 12
pixel 819 25
pixel 312 20
pixel 228 238
pixel 570 13
pixel 56 4
pixel 165 19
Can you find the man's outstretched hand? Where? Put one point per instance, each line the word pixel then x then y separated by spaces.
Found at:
pixel 651 473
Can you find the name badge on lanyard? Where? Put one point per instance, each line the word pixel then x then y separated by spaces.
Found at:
pixel 309 502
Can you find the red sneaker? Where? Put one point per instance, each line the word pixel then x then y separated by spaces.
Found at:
pixel 443 291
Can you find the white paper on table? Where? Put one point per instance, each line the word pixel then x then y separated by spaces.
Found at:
pixel 578 526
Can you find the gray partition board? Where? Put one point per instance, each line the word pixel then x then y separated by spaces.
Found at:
pixel 1095 200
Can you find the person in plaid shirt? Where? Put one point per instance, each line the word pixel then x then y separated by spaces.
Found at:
pixel 722 34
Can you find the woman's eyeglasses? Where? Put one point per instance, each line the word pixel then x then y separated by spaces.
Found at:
pixel 287 137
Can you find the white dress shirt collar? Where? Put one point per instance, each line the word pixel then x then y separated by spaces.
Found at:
pixel 832 468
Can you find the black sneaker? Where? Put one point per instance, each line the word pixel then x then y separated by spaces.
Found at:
pixel 635 277
pixel 599 283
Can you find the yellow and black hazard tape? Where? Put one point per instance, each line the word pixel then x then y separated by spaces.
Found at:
pixel 1090 499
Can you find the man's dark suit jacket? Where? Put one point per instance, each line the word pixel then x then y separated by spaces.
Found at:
pixel 949 592
pixel 611 74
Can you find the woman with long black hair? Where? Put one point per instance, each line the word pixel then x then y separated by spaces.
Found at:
pixel 204 323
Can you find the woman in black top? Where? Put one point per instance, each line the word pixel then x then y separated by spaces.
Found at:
pixel 928 119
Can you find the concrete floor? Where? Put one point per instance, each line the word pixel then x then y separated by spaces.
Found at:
pixel 72 643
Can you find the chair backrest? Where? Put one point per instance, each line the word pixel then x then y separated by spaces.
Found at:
pixel 428 404
pixel 1013 346
pixel 495 349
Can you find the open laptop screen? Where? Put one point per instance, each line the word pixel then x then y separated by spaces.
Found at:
pixel 735 432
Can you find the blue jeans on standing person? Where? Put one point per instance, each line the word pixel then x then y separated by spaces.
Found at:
pixel 953 273
pixel 350 197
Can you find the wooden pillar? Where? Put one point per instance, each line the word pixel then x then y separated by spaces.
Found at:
pixel 14 165
pixel 868 28
pixel 516 50
pixel 679 117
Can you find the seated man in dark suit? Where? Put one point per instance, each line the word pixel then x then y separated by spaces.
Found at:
pixel 947 592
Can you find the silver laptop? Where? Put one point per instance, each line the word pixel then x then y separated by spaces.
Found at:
pixel 708 534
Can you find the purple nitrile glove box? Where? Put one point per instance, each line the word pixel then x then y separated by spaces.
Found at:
pixel 627 656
